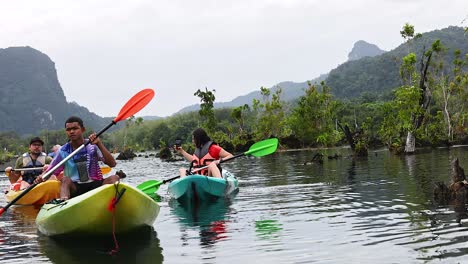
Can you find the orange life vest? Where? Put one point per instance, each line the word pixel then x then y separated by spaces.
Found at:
pixel 202 158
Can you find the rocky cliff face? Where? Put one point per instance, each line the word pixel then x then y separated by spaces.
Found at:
pixel 363 49
pixel 31 98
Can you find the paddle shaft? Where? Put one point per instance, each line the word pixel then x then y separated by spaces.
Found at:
pixel 159 183
pixel 199 169
pixel 251 151
pixel 220 161
pixel 104 170
pixel 25 169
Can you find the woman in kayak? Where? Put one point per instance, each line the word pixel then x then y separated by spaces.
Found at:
pixel 82 172
pixel 207 155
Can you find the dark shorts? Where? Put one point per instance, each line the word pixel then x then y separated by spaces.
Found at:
pixel 86 187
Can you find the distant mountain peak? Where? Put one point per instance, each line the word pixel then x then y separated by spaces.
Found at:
pixel 363 49
pixel 368 70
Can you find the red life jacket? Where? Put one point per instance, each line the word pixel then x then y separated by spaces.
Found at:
pixel 202 158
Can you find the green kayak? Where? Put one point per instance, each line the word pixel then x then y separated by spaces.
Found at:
pixel 203 188
pixel 91 213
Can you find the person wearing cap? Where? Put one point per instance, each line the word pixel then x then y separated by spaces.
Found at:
pixel 35 158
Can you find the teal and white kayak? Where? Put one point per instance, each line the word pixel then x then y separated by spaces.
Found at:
pixel 196 187
pixel 91 213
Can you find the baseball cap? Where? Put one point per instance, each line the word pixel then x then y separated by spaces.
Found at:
pixel 36 139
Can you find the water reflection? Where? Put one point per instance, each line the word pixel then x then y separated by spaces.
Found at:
pixel 373 210
pixel 141 246
pixel 267 229
pixel 209 219
pixel 381 202
pixel 352 172
pixel 18 233
pixel 26 215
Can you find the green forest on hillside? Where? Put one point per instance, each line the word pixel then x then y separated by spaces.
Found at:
pixel 429 101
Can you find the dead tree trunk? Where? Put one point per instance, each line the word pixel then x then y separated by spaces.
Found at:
pixel 456 193
pixel 446 98
pixel 410 145
pixel 357 140
pixel 424 102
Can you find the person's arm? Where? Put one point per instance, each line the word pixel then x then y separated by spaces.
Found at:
pixel 187 156
pixel 108 158
pixel 223 154
pixel 14 175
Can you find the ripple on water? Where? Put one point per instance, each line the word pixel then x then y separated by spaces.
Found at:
pixel 373 210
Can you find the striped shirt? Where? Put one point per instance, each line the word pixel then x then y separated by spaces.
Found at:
pixel 91 153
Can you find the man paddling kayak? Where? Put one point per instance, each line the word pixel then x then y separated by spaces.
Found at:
pixel 82 172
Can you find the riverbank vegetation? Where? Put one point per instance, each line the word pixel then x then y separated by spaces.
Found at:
pixel 429 108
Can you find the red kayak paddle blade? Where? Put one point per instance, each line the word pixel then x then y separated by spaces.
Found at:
pixel 135 104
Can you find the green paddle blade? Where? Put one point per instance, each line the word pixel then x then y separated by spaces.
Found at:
pixel 263 148
pixel 149 187
pixel 152 186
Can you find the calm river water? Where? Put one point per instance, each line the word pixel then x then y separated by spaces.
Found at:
pixel 373 210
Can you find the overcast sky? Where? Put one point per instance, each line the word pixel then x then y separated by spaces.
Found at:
pixel 105 51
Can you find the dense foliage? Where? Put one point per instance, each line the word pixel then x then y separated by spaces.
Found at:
pixel 380 74
pixel 319 118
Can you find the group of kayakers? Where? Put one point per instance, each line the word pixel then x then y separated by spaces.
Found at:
pixel 82 172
